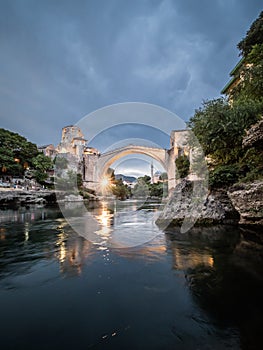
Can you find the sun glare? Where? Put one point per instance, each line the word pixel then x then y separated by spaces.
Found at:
pixel 105 182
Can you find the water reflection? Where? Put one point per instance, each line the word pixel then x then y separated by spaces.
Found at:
pixel 184 260
pixel 201 290
pixel 29 213
pixel 204 240
pixel 72 255
pixel 104 217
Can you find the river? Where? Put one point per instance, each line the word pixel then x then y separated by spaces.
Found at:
pixel 60 290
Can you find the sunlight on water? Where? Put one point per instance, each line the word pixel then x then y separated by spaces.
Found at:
pixel 122 224
pixel 172 291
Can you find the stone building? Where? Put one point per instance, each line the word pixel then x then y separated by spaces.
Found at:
pixel 90 161
pixel 237 76
pixel 179 142
pixel 48 150
pixel 72 141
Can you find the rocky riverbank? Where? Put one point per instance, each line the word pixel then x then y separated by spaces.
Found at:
pixel 23 197
pixel 241 204
pixel 214 208
pixel 247 199
pixel 11 198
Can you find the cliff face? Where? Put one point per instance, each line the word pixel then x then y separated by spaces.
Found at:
pixel 214 208
pixel 248 201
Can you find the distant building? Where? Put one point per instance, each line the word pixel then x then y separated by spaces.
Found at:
pixel 156 177
pixel 48 150
pixel 129 183
pixel 237 76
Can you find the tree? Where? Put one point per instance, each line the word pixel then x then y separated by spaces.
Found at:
pixel 42 162
pixel 251 48
pixel 156 189
pixel 210 126
pixel 146 179
pixel 220 128
pixel 16 153
pixel 182 166
pixel 40 176
pixel 120 190
pixel 141 188
pixel 163 177
pixel 254 36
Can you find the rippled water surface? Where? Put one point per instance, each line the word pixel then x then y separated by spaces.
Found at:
pixel 60 290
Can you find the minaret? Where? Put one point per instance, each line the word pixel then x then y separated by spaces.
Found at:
pixel 152 173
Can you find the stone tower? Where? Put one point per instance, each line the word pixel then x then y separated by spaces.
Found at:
pixel 72 141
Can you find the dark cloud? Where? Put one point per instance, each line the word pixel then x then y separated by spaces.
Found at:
pixel 60 60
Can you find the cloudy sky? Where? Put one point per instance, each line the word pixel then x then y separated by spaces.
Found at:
pixel 62 59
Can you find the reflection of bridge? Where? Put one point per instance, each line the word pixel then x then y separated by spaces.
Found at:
pixel 96 165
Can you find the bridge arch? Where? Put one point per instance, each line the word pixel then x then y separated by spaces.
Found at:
pixel 108 158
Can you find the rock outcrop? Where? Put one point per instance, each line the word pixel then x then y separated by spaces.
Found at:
pixel 254 136
pixel 16 197
pixel 211 208
pixel 247 198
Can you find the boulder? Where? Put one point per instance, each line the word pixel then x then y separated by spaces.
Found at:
pixel 247 198
pixel 209 208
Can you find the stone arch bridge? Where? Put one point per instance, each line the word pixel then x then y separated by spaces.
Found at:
pixel 95 164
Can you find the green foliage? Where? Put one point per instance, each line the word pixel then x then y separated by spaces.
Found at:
pixel 15 147
pixel 156 189
pixel 79 181
pixel 254 36
pixel 251 165
pixel 117 187
pixel 251 87
pixel 220 128
pixel 212 126
pixel 40 176
pixel 141 189
pixel 255 56
pixel 120 190
pixel 182 166
pixel 251 48
pixel 146 179
pixel 145 188
pixel 164 177
pixel 42 162
pixel 223 176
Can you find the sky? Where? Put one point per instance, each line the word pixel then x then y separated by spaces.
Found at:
pixel 61 60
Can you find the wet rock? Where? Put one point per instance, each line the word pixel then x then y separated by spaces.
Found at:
pixel 247 198
pixel 204 208
pixel 15 197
